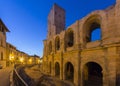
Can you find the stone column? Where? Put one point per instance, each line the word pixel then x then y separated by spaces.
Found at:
pixel 112 55
pixel 61 66
pixel 76 75
pixel 77 70
pixel 63 69
pixel 53 66
pixel 105 78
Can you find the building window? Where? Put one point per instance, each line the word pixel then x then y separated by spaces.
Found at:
pixel 96 34
pixel 70 38
pixel 57 69
pixel 1 55
pixel 92 29
pixel 69 71
pixel 57 43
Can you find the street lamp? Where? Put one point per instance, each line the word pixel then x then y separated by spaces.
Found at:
pixel 11 58
pixel 38 61
pixel 21 60
pixel 41 61
pixel 30 61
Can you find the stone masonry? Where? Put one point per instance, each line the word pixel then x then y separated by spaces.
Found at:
pixel 71 55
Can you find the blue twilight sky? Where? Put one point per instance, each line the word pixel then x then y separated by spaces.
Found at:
pixel 27 19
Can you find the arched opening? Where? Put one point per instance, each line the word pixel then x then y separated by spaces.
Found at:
pixel 57 69
pixel 69 71
pixel 1 55
pixel 57 43
pixel 92 29
pixel 95 31
pixel 96 34
pixel 92 74
pixel 50 47
pixel 70 39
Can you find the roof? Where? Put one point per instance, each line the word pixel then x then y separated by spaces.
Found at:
pixel 55 5
pixel 11 45
pixel 34 56
pixel 6 29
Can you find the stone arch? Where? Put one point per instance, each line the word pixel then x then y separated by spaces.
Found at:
pixel 69 71
pixel 91 24
pixel 69 38
pixel 92 74
pixel 57 43
pixel 50 47
pixel 96 19
pixel 57 69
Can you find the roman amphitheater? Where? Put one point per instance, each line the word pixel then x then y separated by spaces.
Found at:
pixel 71 55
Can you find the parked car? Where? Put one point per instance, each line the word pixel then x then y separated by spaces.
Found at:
pixel 1 66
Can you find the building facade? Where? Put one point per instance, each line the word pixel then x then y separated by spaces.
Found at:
pixel 34 59
pixel 9 54
pixel 15 56
pixel 71 54
pixel 3 30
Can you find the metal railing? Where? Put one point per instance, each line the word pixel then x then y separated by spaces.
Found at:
pixel 17 79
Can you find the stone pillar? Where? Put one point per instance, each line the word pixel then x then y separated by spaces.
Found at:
pixel 77 70
pixel 76 76
pixel 117 19
pixel 61 67
pixel 112 55
pixel 105 78
pixel 53 66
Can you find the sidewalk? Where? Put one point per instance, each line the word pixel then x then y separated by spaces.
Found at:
pixel 5 76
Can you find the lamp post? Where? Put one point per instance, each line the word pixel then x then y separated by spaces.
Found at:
pixel 38 61
pixel 41 66
pixel 21 60
pixel 30 61
pixel 41 61
pixel 11 58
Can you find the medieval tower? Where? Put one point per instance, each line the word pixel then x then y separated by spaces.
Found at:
pixel 56 20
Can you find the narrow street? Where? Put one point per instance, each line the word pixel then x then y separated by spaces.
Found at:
pixel 4 76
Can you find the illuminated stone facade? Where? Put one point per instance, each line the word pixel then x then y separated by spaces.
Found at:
pixel 33 59
pixel 9 54
pixel 14 56
pixel 71 55
pixel 3 30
